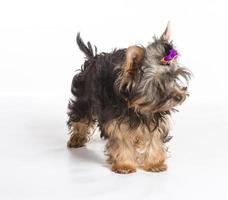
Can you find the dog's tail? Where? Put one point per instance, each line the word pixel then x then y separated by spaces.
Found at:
pixel 86 49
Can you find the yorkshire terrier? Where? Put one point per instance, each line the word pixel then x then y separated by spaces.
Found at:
pixel 130 93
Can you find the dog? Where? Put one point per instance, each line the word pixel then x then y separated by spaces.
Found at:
pixel 130 93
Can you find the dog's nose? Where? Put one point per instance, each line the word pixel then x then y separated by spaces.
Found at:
pixel 178 98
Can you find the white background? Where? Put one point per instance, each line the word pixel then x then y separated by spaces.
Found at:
pixel 38 58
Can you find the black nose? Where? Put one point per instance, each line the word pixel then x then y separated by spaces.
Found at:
pixel 178 98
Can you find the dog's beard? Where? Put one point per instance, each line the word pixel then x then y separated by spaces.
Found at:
pixel 159 92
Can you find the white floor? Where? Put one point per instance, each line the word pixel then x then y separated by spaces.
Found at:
pixel 35 163
pixel 38 57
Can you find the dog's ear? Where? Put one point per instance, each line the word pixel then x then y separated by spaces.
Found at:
pixel 134 58
pixel 167 33
pixel 133 61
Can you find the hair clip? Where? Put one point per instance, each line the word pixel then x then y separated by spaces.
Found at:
pixel 170 57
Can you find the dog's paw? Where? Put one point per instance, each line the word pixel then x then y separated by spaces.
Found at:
pixel 159 167
pixel 123 168
pixel 76 142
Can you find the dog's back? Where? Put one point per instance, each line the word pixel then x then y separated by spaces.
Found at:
pixel 93 86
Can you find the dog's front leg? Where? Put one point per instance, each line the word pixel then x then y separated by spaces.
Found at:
pixel 119 148
pixel 155 154
pixel 120 155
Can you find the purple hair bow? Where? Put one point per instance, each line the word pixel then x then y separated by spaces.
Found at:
pixel 168 58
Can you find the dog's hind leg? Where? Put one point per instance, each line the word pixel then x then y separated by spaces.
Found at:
pixel 80 123
pixel 80 133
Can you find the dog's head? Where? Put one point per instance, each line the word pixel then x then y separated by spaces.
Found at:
pixel 151 79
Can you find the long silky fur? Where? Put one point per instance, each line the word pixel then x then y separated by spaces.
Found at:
pixel 97 98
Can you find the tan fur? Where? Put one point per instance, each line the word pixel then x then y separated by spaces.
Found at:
pixel 137 103
pixel 134 57
pixel 80 132
pixel 155 154
pixel 119 149
pixel 123 168
pixel 128 148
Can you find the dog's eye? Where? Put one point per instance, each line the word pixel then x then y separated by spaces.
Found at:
pixel 178 98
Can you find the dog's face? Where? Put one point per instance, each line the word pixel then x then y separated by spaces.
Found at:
pixel 152 79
